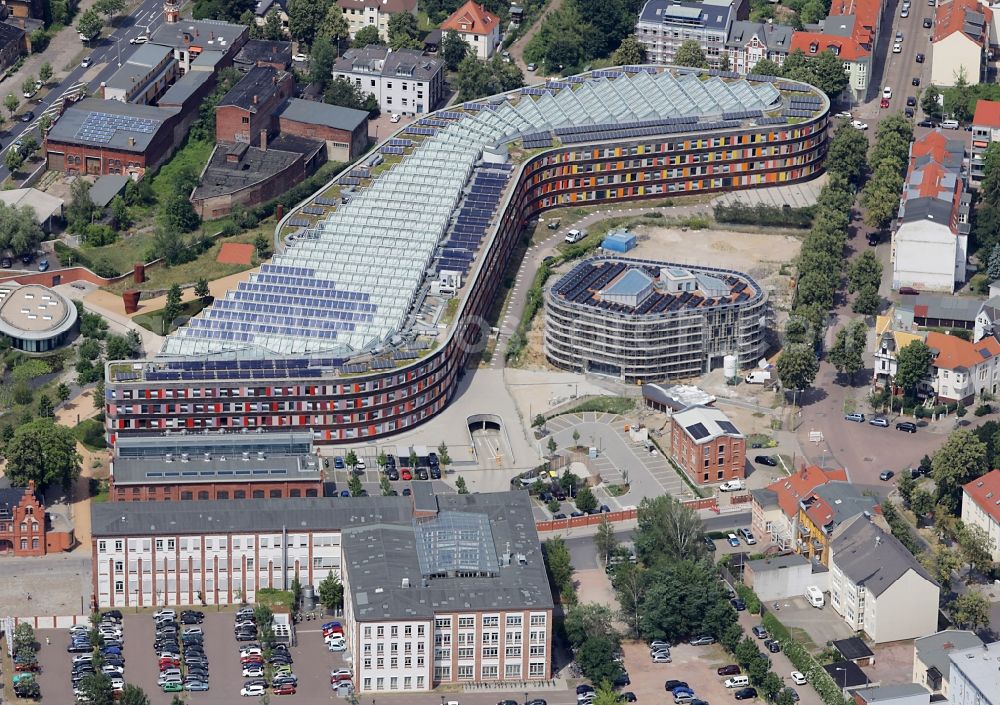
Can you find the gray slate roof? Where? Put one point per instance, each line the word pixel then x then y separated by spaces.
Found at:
pixel 935 650
pixel 790 560
pixel 381 558
pixel 872 557
pixel 958 308
pixel 208 34
pixel 260 82
pixel 404 63
pixel 106 188
pixel 714 15
pixel 66 127
pixel 219 469
pixel 776 37
pixel 892 692
pixel 315 113
pixel 244 515
pixel 10 497
pixel 185 86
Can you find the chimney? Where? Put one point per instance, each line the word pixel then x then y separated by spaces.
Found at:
pixel 263 140
pixel 255 99
pixel 211 36
pixel 131 141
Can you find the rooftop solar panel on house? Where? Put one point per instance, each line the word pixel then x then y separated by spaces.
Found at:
pixel 727 426
pixel 697 431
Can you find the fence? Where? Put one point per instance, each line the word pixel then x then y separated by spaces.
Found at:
pixel 627 514
pixel 50 622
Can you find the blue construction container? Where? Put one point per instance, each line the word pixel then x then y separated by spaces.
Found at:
pixel 619 241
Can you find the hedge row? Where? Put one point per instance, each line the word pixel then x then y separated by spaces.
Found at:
pixel 764 214
pixel 804 662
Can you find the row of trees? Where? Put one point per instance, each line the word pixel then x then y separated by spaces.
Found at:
pixel 887 160
pixel 825 70
pixel 580 31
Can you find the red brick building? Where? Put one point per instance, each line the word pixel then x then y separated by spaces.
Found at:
pixel 158 469
pixel 249 107
pixel 344 130
pixel 111 137
pixel 707 446
pixel 24 527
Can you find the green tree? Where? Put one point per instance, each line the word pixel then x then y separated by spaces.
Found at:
pixel 331 592
pixel 864 270
pixel 629 581
pixel 558 564
pixel 62 392
pixel 596 658
pixel 45 409
pixel 690 54
pixel 960 460
pixel 90 24
pixel 335 26
pixel 81 210
pixel 172 309
pixel 133 695
pixel 121 219
pixel 382 459
pixel 97 689
pixel 321 61
pixel 44 452
pixel 179 215
pixel 993 266
pixel 45 72
pixel 921 502
pixel 913 363
pixel 345 94
pixel 305 17
pixel 867 301
pixel 977 547
pixel 28 85
pixel 365 36
pixel 766 67
pixel 201 288
pixel 585 500
pixel 583 621
pixel 262 245
pixel 606 695
pixel 605 539
pixel 797 366
pixel 355 486
pixel 551 445
pixel 683 598
pixel 970 610
pixel 384 486
pixel 845 355
pixel 351 459
pixel 668 530
pixel 403 31
pixel 444 458
pixel 453 49
pixel 460 485
pixel 413 458
pixel 842 154
pixel 109 8
pixel 629 53
pixel 13 160
pixel 118 347
pixel 930 103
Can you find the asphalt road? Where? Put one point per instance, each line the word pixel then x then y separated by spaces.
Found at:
pixel 107 55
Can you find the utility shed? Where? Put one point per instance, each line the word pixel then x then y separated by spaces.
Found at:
pixel 619 241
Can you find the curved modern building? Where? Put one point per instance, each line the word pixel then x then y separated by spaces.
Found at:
pixel 34 317
pixel 349 333
pixel 645 321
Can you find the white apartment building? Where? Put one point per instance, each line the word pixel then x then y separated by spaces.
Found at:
pixel 664 25
pixel 980 507
pixel 458 596
pixel 403 81
pixel 975 678
pixel 373 13
pixel 877 586
pixel 217 552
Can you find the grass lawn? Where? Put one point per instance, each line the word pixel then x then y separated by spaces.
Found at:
pixel 273 597
pixel 90 433
pixel 153 321
pixel 159 278
pixel 193 155
pixel 122 254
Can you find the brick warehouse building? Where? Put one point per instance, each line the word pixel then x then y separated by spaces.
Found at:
pixel 707 446
pixel 101 137
pixel 343 130
pixel 351 368
pixel 204 468
pixel 25 528
pixel 409 599
pixel 248 108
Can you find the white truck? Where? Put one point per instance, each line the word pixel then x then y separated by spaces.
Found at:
pixel 758 377
pixel 575 236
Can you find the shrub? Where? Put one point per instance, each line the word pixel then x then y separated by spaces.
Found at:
pixel 750 597
pixel 99 234
pixel 763 214
pixel 984 409
pixel 804 662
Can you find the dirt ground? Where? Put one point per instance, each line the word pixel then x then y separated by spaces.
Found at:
pixel 593 586
pixel 696 665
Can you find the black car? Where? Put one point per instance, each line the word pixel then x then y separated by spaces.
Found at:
pixel 911 101
pixel 766 460
pixel 873 238
pixel 110 614
pixel 746 693
pixel 422 473
pixel 907 426
pixel 671 684
pixel 545 497
pixel 926 123
pixel 773 645
pixel 553 224
pixel 908 112
pixel 928 22
pixel 407 491
pixel 738 604
pixel 709 543
pixel 629 697
pixel 622 681
pixel 585 688
pixel 27 117
pixel 79 647
pixel 536 701
pixel 915 81
pixel 245 637
pixel 920 58
pixel 432 459
pixel 392 473
pixel 559 515
pixel 435 472
pixel 6 263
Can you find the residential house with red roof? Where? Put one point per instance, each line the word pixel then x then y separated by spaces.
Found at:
pixel 981 507
pixel 963 33
pixel 478 27
pixel 985 131
pixel 961 370
pixel 930 238
pixel 850 31
pixel 775 508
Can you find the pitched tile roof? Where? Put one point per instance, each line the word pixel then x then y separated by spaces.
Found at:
pixel 954 353
pixel 471 18
pixel 813 43
pixel 792 489
pixel 987 113
pixel 966 16
pixel 985 491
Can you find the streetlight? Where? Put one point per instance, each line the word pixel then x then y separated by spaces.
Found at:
pixel 844 687
pixel 526 698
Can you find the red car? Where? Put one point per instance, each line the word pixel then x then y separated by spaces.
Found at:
pixel 247 660
pixel 884 103
pixel 405 474
pixel 730 670
pixel 284 689
pixel 169 663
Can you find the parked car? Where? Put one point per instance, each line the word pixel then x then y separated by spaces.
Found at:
pixel 730 670
pixel 738 604
pixel 907 426
pixel 141 39
pixel 879 421
pixel 768 460
pixel 733 541
pixel 671 684
pixel 772 645
pixel 759 631
pixel 745 693
pixel 732 486
pixel 886 475
pixel 702 641
pixel 798 678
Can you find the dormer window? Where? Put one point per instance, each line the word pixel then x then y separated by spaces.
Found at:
pixel 813 48
pixel 835 49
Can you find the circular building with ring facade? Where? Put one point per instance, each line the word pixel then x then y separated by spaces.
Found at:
pixel 34 317
pixel 646 321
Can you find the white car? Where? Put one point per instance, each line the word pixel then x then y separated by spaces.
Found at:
pixel 86 62
pixel 194 630
pixel 251 690
pixel 300 57
pixel 844 115
pixel 897 48
pixel 251 651
pixel 858 125
pixel 661 658
pixel 887 92
pixel 253 672
pixel 731 486
pixel 798 678
pixel 904 13
pixel 165 614
pixel 342 673
pixel 110 669
pixel 117 683
pixel 336 646
pixel 141 39
pixel 394 117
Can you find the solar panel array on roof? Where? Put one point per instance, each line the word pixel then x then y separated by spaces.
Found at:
pixel 474 107
pixel 433 122
pixel 793 88
pixel 604 73
pixel 535 140
pixel 723 74
pixel 325 201
pixel 399 142
pixel 349 284
pixel 389 149
pixel 697 431
pixel 101 127
pixel 313 210
pixel 797 113
pixel 449 115
pixel 528 90
pixel 761 77
pixel 639 69
pixel 742 114
pixel 727 426
pixel 771 121
pixel 556 85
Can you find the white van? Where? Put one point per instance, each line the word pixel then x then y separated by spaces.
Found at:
pixel 949 124
pixel 815 596
pixel 737 682
pixel 574 236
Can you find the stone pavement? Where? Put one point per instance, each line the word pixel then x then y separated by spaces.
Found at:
pixel 794 195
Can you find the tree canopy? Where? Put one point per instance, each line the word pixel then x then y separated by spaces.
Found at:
pixel 342 92
pixel 19 232
pixel 913 363
pixel 960 460
pixel 668 531
pixel 44 452
pixel 690 54
pixel 478 78
pixel 797 366
pixel 306 17
pixel 453 49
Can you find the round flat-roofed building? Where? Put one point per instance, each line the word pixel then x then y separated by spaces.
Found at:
pixel 647 321
pixel 34 317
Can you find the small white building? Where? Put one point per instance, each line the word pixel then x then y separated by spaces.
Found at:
pixel 783 577
pixel 975 678
pixel 479 28
pixel 878 586
pixel 373 13
pixel 980 507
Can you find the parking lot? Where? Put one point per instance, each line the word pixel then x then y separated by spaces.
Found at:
pixel 695 665
pixel 312 662
pixel 649 474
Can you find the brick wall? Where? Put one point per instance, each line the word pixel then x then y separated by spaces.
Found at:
pixel 240 124
pixel 212 490
pixel 356 141
pixel 690 456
